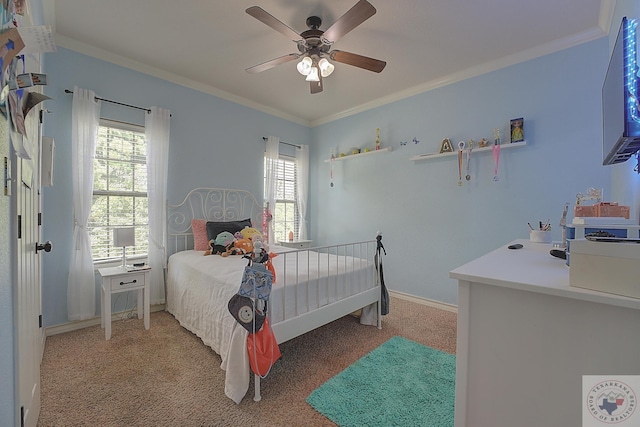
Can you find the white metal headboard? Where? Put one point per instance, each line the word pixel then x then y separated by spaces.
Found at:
pixel 212 204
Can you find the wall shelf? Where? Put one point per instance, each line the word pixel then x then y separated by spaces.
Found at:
pixel 474 151
pixel 350 156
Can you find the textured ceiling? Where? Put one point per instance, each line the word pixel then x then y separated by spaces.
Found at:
pixel 208 44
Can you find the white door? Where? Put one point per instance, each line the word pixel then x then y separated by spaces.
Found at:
pixel 28 319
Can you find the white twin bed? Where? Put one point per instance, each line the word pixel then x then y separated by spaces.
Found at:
pixel 313 286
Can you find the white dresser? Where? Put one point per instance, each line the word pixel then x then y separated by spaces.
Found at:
pixel 526 338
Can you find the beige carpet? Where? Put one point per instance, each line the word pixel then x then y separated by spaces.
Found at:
pixel 166 377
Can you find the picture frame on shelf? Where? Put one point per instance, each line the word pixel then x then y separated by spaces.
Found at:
pixel 517 130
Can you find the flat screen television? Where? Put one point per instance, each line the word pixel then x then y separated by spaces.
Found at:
pixel 620 102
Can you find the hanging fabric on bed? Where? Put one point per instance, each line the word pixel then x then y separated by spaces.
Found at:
pixel 249 308
pixel 249 305
pixel 384 294
pixel 263 350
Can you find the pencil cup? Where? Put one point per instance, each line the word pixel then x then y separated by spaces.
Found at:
pixel 540 236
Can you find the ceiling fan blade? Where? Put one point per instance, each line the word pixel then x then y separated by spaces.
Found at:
pixel 355 16
pixel 356 60
pixel 262 15
pixel 270 64
pixel 316 87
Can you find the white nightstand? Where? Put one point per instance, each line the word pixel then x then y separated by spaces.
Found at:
pixel 296 244
pixel 116 279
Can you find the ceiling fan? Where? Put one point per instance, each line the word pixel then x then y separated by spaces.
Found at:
pixel 315 45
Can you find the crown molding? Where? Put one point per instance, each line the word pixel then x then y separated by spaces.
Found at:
pixel 104 55
pixel 525 55
pixel 601 30
pixel 607 7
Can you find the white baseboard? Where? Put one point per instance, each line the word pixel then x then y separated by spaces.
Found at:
pixel 81 324
pixel 425 301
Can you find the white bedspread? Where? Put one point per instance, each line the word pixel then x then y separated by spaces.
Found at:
pixel 199 287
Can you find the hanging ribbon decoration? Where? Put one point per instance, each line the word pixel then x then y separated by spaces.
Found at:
pixel 460 151
pixel 495 150
pixel 331 172
pixel 332 156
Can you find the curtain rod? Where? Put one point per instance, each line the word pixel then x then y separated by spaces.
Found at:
pixel 264 138
pixel 118 103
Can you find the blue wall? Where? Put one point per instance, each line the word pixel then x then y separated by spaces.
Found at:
pixel 425 217
pixel 214 143
pixel 430 225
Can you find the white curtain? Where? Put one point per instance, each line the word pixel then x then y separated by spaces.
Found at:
pixel 81 288
pixel 302 162
pixel 157 133
pixel 271 158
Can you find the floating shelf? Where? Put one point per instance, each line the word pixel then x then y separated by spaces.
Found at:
pixel 350 156
pixel 475 150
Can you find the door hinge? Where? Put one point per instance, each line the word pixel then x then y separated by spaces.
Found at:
pixel 19 226
pixel 7 176
pixel 22 416
pixel 40 321
pixel 39 218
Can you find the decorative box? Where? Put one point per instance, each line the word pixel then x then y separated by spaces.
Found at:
pixel 583 211
pixel 607 209
pixel 605 266
pixel 612 209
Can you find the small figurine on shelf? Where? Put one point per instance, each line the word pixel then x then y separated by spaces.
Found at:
pixel 445 146
pixel 377 138
pixel 496 136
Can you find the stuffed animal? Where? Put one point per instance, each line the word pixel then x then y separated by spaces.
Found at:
pixel 257 237
pixel 249 232
pixel 260 255
pixel 239 247
pixel 224 239
pixel 213 248
pixel 245 245
pixel 220 243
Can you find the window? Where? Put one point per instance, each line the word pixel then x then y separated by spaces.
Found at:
pixel 119 189
pixel 285 212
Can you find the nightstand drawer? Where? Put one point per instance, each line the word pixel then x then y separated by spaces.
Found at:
pixel 126 281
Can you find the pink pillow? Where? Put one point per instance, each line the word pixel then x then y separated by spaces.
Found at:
pixel 200 237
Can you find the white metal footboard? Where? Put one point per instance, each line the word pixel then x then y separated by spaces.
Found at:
pixel 326 284
pixel 316 286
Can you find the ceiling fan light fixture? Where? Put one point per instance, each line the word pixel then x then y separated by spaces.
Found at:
pixel 304 66
pixel 326 67
pixel 313 75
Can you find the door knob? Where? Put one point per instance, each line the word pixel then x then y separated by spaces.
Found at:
pixel 46 246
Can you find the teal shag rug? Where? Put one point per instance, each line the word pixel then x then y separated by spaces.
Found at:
pixel 400 383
